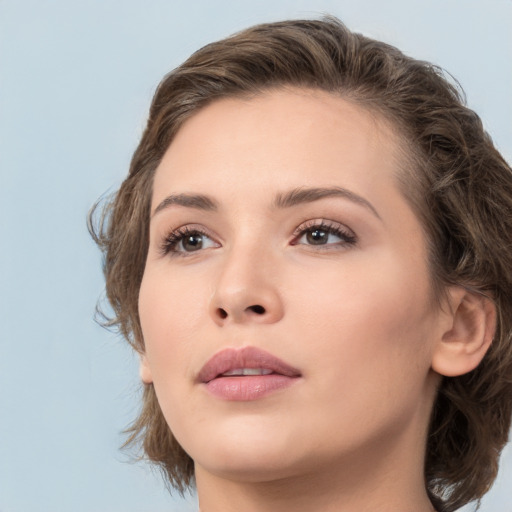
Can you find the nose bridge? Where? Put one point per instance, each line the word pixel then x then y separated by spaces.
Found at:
pixel 247 287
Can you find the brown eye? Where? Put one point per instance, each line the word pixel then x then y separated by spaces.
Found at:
pixel 186 240
pixel 327 235
pixel 317 236
pixel 192 242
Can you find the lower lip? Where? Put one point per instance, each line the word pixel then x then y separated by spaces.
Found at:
pixel 248 388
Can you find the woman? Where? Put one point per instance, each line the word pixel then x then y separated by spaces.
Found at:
pixel 312 254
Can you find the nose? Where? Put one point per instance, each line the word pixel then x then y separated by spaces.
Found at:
pixel 247 290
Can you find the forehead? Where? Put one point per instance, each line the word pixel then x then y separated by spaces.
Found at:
pixel 283 138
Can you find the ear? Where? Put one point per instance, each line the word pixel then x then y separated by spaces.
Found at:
pixel 144 370
pixel 470 329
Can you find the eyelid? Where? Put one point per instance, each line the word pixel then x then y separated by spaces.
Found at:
pixel 168 243
pixel 323 223
pixel 174 236
pixel 346 236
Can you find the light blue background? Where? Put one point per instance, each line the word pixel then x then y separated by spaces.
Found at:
pixel 76 79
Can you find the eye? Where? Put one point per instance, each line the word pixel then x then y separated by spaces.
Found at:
pixel 187 240
pixel 324 233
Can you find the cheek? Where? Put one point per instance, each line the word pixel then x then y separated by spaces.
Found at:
pixel 368 349
pixel 170 317
pixel 371 319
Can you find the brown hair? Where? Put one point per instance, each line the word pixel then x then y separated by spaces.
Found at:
pixel 459 185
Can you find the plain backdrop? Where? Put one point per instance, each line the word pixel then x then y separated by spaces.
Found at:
pixel 76 79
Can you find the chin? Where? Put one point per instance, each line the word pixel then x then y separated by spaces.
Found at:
pixel 250 467
pixel 245 451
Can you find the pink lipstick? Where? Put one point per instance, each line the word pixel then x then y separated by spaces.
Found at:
pixel 246 374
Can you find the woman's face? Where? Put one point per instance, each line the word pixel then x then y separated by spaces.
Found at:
pixel 280 244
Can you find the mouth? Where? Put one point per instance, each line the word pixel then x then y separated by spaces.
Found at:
pixel 246 374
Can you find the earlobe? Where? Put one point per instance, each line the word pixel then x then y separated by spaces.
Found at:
pixel 144 370
pixel 471 328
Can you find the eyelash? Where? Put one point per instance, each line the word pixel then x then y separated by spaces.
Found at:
pixel 171 241
pixel 347 237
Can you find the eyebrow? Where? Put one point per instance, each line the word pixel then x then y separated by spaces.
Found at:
pixel 308 195
pixel 289 199
pixel 197 201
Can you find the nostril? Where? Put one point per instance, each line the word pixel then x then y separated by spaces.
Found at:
pixel 259 310
pixel 222 313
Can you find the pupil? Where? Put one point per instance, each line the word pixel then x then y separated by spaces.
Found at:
pixel 317 237
pixel 193 242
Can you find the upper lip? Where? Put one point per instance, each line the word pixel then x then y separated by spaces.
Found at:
pixel 246 357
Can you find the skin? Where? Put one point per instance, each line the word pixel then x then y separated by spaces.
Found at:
pixel 357 319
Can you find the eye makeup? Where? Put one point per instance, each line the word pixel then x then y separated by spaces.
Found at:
pixel 320 234
pixel 185 240
pixel 323 233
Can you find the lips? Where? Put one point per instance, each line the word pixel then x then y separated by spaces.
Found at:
pixel 249 357
pixel 246 374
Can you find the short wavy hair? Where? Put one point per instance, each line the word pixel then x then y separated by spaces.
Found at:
pixel 457 182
